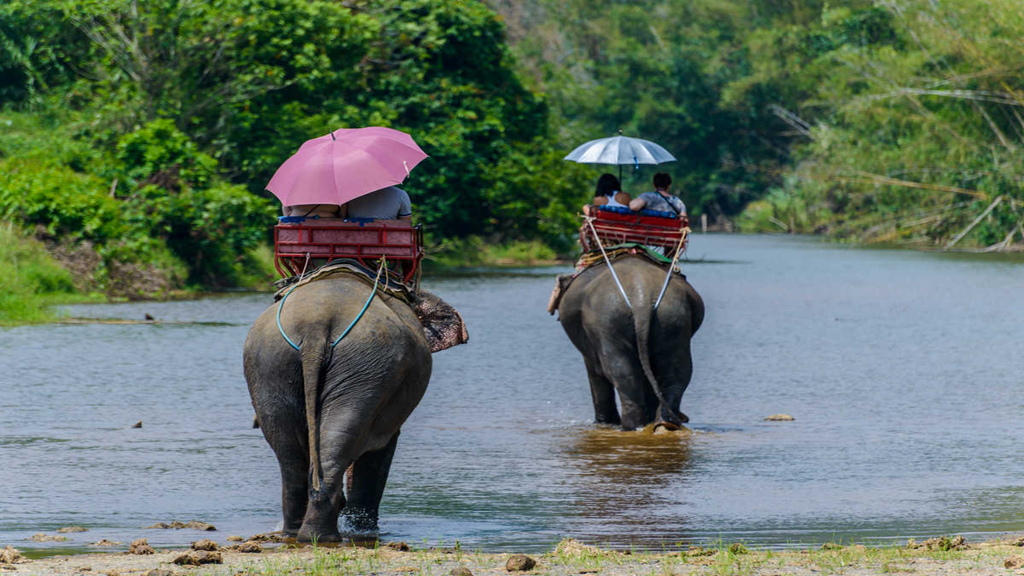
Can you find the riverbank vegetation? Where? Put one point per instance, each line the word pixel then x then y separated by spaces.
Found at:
pixel 136 137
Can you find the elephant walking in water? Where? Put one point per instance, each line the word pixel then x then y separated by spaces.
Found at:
pixel 640 352
pixel 327 409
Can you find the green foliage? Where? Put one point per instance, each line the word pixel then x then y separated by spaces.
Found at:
pixel 160 152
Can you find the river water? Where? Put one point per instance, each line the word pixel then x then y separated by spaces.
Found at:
pixel 903 371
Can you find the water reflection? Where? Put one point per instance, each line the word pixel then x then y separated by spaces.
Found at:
pixel 623 474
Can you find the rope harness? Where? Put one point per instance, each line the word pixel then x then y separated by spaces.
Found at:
pixel 675 258
pixel 373 293
pixel 590 222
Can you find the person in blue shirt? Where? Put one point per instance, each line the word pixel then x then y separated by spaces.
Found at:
pixel 659 200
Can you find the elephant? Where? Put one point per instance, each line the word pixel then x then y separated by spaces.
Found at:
pixel 639 352
pixel 328 411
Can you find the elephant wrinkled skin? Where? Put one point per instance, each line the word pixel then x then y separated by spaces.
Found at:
pixel 642 353
pixel 324 411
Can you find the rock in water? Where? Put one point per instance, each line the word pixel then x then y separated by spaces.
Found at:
pixel 779 418
pixel 68 529
pixel 209 545
pixel 137 424
pixel 40 537
pixel 105 543
pixel 520 563
pixel 140 546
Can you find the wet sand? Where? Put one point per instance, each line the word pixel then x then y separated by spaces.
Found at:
pixel 1002 557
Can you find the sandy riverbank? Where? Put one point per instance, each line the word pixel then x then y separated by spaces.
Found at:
pixel 937 557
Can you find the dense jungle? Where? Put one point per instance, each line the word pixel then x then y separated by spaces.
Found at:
pixel 136 138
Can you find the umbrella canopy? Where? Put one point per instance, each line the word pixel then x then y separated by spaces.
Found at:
pixel 619 150
pixel 345 164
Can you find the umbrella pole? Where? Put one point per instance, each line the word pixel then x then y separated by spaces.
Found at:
pixel 620 176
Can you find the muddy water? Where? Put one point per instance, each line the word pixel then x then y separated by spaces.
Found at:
pixel 904 373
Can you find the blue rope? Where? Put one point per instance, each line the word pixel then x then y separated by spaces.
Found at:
pixel 376 282
pixel 279 327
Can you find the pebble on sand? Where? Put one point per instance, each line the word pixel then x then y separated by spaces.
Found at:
pixel 68 529
pixel 943 544
pixel 399 546
pixel 208 545
pixel 1013 563
pixel 10 555
pixel 198 557
pixel 270 537
pixel 158 572
pixel 250 547
pixel 461 571
pixel 141 546
pixel 779 418
pixel 520 563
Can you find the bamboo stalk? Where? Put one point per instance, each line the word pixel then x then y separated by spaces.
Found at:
pixel 963 233
pixel 869 178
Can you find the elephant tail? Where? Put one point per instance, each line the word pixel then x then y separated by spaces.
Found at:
pixel 642 318
pixel 312 369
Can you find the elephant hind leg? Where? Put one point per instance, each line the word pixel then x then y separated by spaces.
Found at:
pixel 367 478
pixel 603 394
pixel 624 371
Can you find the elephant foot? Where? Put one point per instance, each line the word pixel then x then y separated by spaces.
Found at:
pixel 307 534
pixel 666 426
pixel 676 418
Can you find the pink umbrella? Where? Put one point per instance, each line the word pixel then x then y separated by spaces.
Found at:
pixel 345 164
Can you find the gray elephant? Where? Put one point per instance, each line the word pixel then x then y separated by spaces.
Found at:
pixel 329 409
pixel 640 352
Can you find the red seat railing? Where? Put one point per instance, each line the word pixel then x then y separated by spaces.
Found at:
pixel 615 228
pixel 297 244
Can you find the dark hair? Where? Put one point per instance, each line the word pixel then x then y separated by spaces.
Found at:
pixel 662 180
pixel 607 185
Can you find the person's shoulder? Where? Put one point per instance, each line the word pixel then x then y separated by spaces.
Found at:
pixel 397 192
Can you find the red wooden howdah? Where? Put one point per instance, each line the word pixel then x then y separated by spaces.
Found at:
pixel 615 228
pixel 328 239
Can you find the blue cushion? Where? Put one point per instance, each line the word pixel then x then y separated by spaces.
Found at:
pixel 658 213
pixel 616 209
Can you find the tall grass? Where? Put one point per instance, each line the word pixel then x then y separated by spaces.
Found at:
pixel 30 280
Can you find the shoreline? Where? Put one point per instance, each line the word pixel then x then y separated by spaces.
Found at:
pixel 936 556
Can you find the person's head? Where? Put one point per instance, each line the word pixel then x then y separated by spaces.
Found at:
pixel 662 181
pixel 607 185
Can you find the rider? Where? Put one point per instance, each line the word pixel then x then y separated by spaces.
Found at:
pixel 608 193
pixel 391 203
pixel 659 200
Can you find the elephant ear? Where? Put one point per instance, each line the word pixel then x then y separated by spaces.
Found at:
pixel 561 283
pixel 442 323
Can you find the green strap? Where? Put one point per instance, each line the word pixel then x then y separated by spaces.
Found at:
pixel 280 328
pixel 373 293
